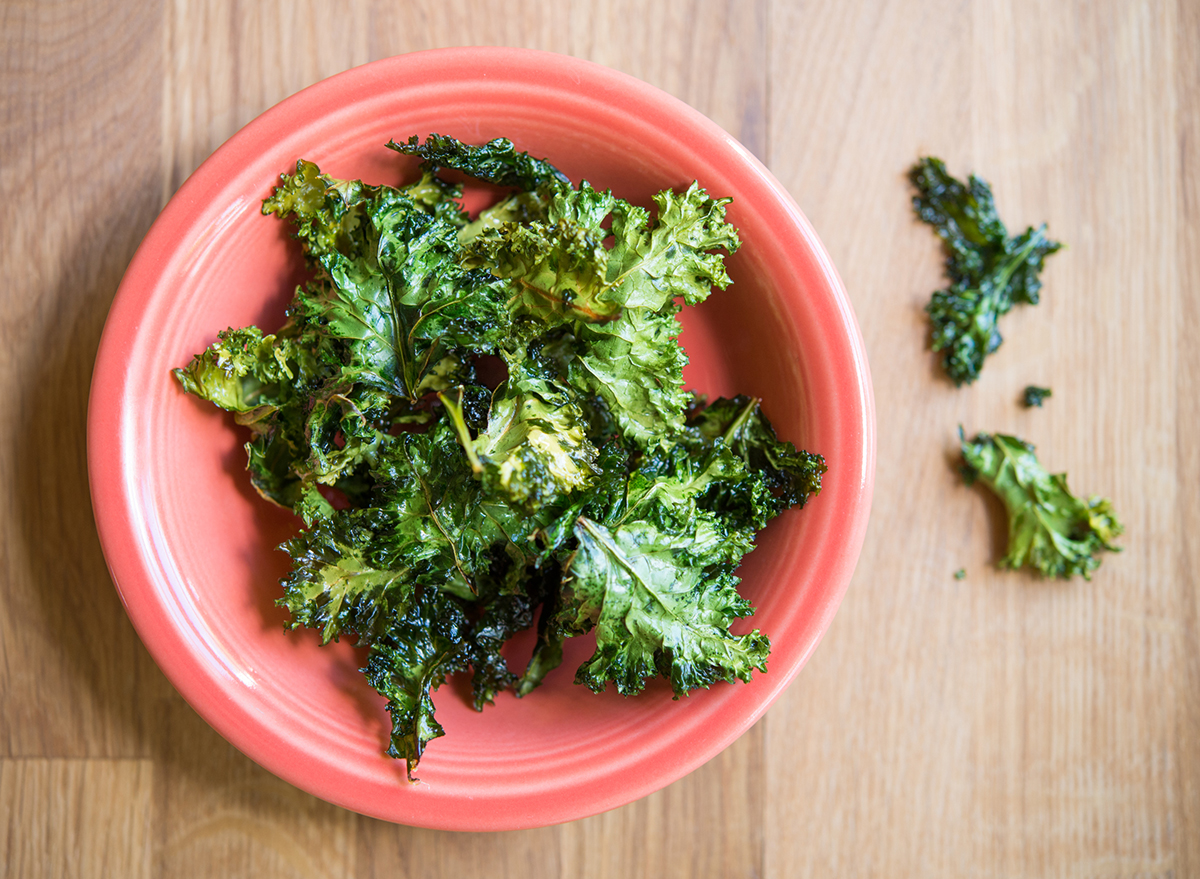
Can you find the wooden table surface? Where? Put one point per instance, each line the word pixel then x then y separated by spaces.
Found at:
pixel 997 725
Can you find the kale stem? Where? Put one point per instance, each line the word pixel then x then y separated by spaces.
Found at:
pixel 1016 259
pixel 740 421
pixel 460 426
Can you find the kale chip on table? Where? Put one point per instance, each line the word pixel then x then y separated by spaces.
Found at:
pixel 1050 530
pixel 989 270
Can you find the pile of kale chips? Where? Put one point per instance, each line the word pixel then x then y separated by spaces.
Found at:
pixel 450 502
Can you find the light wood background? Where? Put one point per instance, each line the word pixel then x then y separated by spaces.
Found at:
pixel 997 726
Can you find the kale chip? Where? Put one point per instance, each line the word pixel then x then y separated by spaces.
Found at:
pixel 1049 529
pixel 989 271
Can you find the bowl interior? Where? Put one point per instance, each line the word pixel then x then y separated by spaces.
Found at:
pixel 192 547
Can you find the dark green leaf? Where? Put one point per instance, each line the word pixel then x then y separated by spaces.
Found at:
pixel 496 161
pixel 989 271
pixel 791 475
pixel 424 644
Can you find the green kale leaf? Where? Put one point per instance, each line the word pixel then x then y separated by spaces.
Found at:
pixel 402 306
pixel 792 475
pixel 341 580
pixel 653 612
pixel 618 303
pixel 496 161
pixel 423 645
pixel 534 449
pixel 989 271
pixel 634 364
pixel 243 372
pixel 1049 529
pixel 557 268
pixel 676 256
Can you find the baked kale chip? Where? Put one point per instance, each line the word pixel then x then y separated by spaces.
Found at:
pixel 989 271
pixel 1049 529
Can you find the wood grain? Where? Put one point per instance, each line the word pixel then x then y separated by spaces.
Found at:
pixel 707 824
pixel 72 818
pixel 1021 727
pixel 1185 789
pixel 993 726
pixel 78 123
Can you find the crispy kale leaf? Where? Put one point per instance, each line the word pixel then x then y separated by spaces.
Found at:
pixel 989 271
pixel 1049 529
pixel 424 644
pixel 558 267
pixel 342 578
pixel 653 565
pixel 676 255
pixel 265 380
pixel 791 475
pixel 581 490
pixel 497 161
pixel 653 612
pixel 534 449
pixel 244 372
pixel 403 308
pixel 616 305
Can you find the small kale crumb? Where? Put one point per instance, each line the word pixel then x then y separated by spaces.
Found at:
pixel 1035 396
pixel 989 271
pixel 960 574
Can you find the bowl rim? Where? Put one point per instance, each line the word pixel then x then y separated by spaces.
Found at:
pixel 108 421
